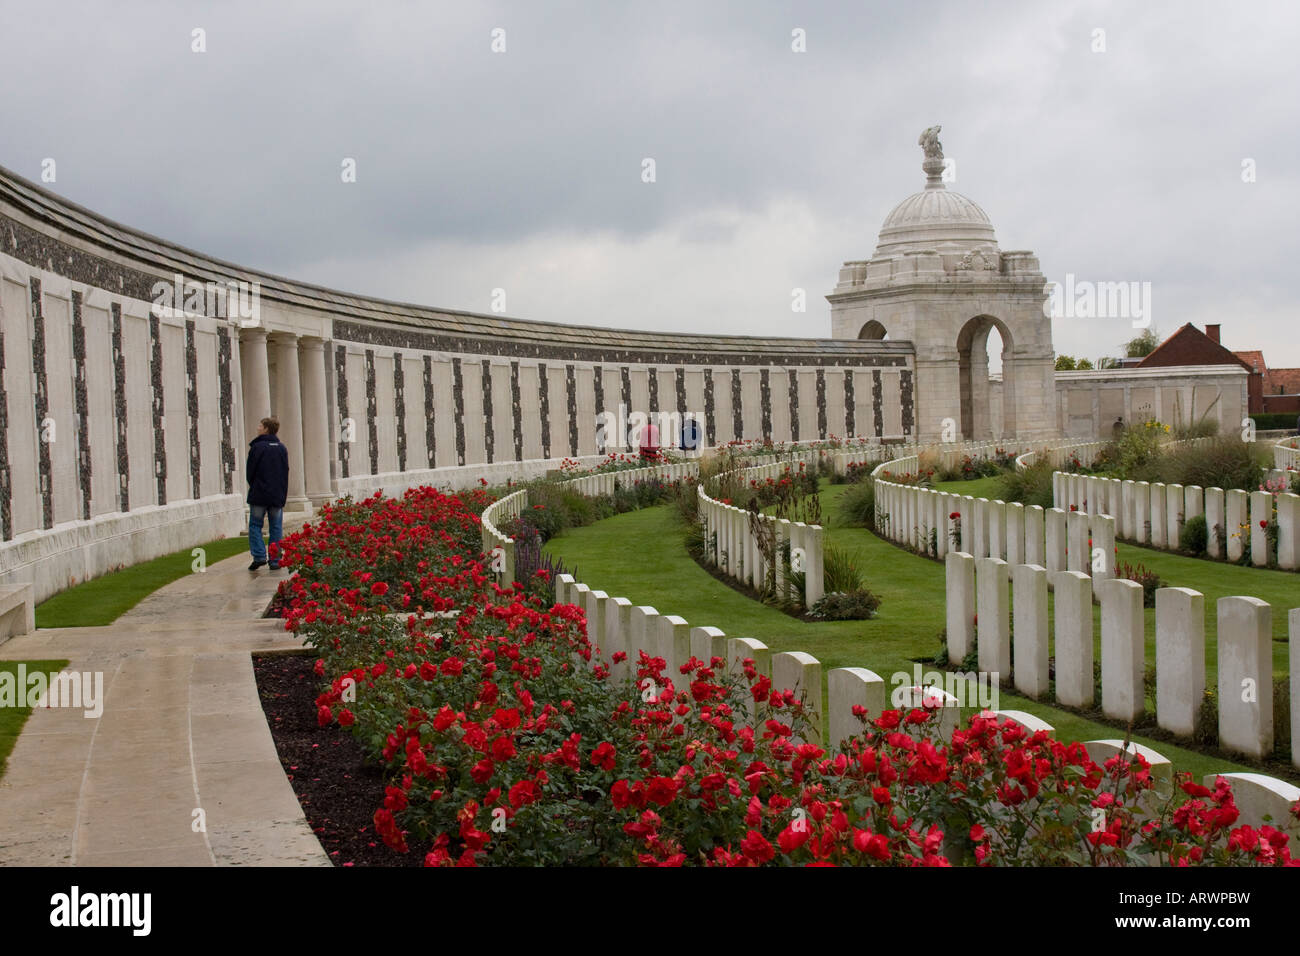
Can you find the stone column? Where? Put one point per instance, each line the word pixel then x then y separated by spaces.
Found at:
pixel 287 400
pixel 255 379
pixel 315 426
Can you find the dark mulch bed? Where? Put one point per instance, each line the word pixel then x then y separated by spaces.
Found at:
pixel 338 790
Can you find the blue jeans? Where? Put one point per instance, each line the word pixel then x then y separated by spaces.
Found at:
pixel 256 515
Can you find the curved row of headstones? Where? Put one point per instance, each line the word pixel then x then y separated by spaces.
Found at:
pixel 735 538
pixel 615 625
pixel 1153 514
pixel 981 594
pixel 937 522
pixel 498 546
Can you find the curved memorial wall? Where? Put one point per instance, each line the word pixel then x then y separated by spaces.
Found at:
pixel 135 372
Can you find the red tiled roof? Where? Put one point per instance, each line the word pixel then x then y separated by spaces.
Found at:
pixel 1254 361
pixel 1190 346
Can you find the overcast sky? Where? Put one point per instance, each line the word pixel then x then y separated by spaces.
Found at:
pixel 522 170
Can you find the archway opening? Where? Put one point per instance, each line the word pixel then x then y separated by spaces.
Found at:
pixel 873 331
pixel 987 374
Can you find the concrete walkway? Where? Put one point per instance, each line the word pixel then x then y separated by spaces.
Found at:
pixel 181 730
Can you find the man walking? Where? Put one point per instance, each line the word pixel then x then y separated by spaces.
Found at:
pixel 268 486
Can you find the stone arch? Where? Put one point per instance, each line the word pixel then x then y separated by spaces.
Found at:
pixel 873 331
pixel 973 371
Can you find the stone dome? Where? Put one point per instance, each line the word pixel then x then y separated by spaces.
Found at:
pixel 935 219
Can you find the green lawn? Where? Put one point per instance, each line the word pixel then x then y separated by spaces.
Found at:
pixel 990 488
pixel 13 718
pixel 104 599
pixel 641 556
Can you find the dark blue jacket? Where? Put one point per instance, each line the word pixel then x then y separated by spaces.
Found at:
pixel 267 472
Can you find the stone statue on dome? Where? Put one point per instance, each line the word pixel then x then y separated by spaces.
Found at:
pixel 929 141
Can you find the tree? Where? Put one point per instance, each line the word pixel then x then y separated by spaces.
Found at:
pixel 1084 364
pixel 1142 344
pixel 1066 363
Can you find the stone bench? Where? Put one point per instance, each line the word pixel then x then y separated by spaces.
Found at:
pixel 17 611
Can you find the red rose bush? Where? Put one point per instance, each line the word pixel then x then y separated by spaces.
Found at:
pixel 507 742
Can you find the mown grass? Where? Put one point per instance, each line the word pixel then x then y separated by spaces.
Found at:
pixel 13 718
pixel 641 556
pixel 990 487
pixel 104 599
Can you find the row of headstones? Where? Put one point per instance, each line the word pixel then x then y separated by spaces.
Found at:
pixel 604 484
pixel 499 547
pixel 734 544
pixel 1016 533
pixel 615 624
pixel 1154 514
pixel 980 604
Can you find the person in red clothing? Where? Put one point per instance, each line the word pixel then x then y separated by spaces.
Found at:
pixel 649 442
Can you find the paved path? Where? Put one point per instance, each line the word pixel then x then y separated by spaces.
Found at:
pixel 182 729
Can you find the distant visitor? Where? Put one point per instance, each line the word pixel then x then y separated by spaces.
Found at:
pixel 268 487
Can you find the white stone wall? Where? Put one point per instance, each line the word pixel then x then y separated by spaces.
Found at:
pixel 1089 401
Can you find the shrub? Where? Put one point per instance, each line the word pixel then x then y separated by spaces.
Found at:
pixel 1194 537
pixel 1144 576
pixel 1275 421
pixel 840 570
pixel 1226 462
pixel 858 505
pixel 1138 449
pixel 856 605
pixel 1032 486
